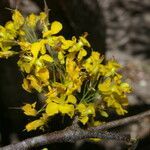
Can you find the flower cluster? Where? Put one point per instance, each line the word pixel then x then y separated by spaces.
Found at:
pixel 73 78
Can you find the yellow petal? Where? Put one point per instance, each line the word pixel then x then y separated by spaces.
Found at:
pixel 71 99
pixel 26 85
pixel 46 57
pixel 52 109
pixel 56 27
pixel 81 54
pixel 35 48
pixel 61 57
pixel 43 74
pixel 105 86
pixel 67 109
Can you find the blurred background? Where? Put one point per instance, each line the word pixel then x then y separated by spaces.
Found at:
pixel 119 29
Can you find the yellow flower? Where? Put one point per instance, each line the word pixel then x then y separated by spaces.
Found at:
pixel 70 66
pixel 43 75
pixel 32 20
pixel 61 88
pixel 113 93
pixel 105 86
pixel 55 28
pixel 60 105
pixel 92 64
pixel 7 36
pixel 73 79
pixel 117 78
pixel 24 45
pixel 31 82
pixel 116 104
pixel 80 44
pixel 37 123
pixel 84 41
pixel 18 19
pixel 10 26
pixel 120 110
pixel 25 63
pixel 34 125
pixel 67 109
pixel 67 43
pixel 26 85
pixel 34 83
pixel 51 94
pixel 29 109
pixel 35 49
pixel 111 67
pixel 81 54
pixel 125 87
pixel 85 111
pixel 40 62
pixel 109 87
pixel 29 59
pixel 10 29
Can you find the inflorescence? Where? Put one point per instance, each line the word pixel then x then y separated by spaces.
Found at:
pixel 73 78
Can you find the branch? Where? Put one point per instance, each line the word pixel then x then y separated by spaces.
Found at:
pixel 75 133
pixel 123 121
pixel 70 134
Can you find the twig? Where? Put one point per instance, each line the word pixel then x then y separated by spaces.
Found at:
pixel 123 121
